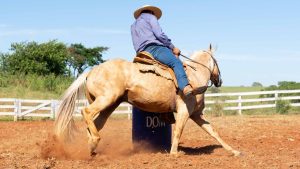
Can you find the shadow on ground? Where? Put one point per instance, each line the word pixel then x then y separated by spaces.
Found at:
pixel 199 150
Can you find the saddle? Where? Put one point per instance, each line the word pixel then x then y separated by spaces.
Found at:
pixel 147 64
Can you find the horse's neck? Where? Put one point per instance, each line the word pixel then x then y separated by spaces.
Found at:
pixel 201 72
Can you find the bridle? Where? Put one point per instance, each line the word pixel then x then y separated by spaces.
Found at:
pixel 210 71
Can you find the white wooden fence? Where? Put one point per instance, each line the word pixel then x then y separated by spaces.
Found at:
pixel 45 108
pixel 230 101
pixel 242 100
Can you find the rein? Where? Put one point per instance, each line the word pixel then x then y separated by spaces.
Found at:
pixel 196 62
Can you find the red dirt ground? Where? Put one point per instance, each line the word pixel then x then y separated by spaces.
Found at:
pixel 266 142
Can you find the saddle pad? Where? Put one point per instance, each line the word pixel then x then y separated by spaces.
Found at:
pixel 147 64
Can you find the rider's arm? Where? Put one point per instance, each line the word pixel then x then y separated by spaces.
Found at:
pixel 159 34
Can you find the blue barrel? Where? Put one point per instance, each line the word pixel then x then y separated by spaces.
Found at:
pixel 148 128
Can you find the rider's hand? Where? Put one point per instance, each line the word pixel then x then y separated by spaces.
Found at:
pixel 176 52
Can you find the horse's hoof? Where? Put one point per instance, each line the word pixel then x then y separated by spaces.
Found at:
pixel 173 153
pixel 177 154
pixel 93 154
pixel 92 146
pixel 236 153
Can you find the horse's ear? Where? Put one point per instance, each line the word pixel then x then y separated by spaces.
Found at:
pixel 212 49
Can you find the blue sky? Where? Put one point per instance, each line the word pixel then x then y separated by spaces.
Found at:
pixel 257 41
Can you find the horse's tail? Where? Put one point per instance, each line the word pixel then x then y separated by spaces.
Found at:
pixel 64 124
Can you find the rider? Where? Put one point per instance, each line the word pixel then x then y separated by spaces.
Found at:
pixel 148 36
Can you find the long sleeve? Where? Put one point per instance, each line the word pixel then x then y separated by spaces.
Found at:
pixel 159 34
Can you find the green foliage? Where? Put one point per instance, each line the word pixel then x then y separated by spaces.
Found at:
pixel 288 85
pixel 34 82
pixel 217 109
pixel 31 68
pixel 257 84
pixel 1 61
pixel 33 58
pixel 3 80
pixel 282 107
pixel 81 57
pixel 50 58
pixel 284 85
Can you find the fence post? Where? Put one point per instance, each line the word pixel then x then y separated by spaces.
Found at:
pixel 17 109
pixel 240 105
pixel 276 97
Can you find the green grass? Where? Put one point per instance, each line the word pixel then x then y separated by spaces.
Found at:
pixel 33 86
pixel 233 89
pixel 6 118
pixel 26 93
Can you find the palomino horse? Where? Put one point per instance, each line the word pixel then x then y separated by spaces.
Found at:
pixel 116 81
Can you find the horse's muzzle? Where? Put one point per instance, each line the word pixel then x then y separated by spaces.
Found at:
pixel 219 83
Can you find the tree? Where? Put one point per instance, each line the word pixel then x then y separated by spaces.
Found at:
pixel 52 57
pixel 81 57
pixel 283 85
pixel 288 85
pixel 257 84
pixel 2 62
pixel 33 58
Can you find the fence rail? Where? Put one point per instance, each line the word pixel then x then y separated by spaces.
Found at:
pixel 230 101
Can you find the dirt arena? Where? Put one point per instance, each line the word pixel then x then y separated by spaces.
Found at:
pixel 266 142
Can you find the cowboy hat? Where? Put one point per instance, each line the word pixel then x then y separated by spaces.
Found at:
pixel 156 11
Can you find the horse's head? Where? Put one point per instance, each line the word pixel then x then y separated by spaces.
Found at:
pixel 206 59
pixel 215 76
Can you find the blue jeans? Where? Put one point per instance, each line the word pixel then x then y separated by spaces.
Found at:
pixel 166 56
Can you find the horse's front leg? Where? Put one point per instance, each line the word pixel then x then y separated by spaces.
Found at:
pixel 199 119
pixel 181 119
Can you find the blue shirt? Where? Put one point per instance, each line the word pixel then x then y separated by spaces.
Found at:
pixel 146 30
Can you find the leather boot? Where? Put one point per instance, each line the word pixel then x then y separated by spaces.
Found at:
pixel 188 90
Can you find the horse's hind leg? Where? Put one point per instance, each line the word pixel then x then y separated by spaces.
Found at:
pixel 102 118
pixel 90 113
pixel 199 119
